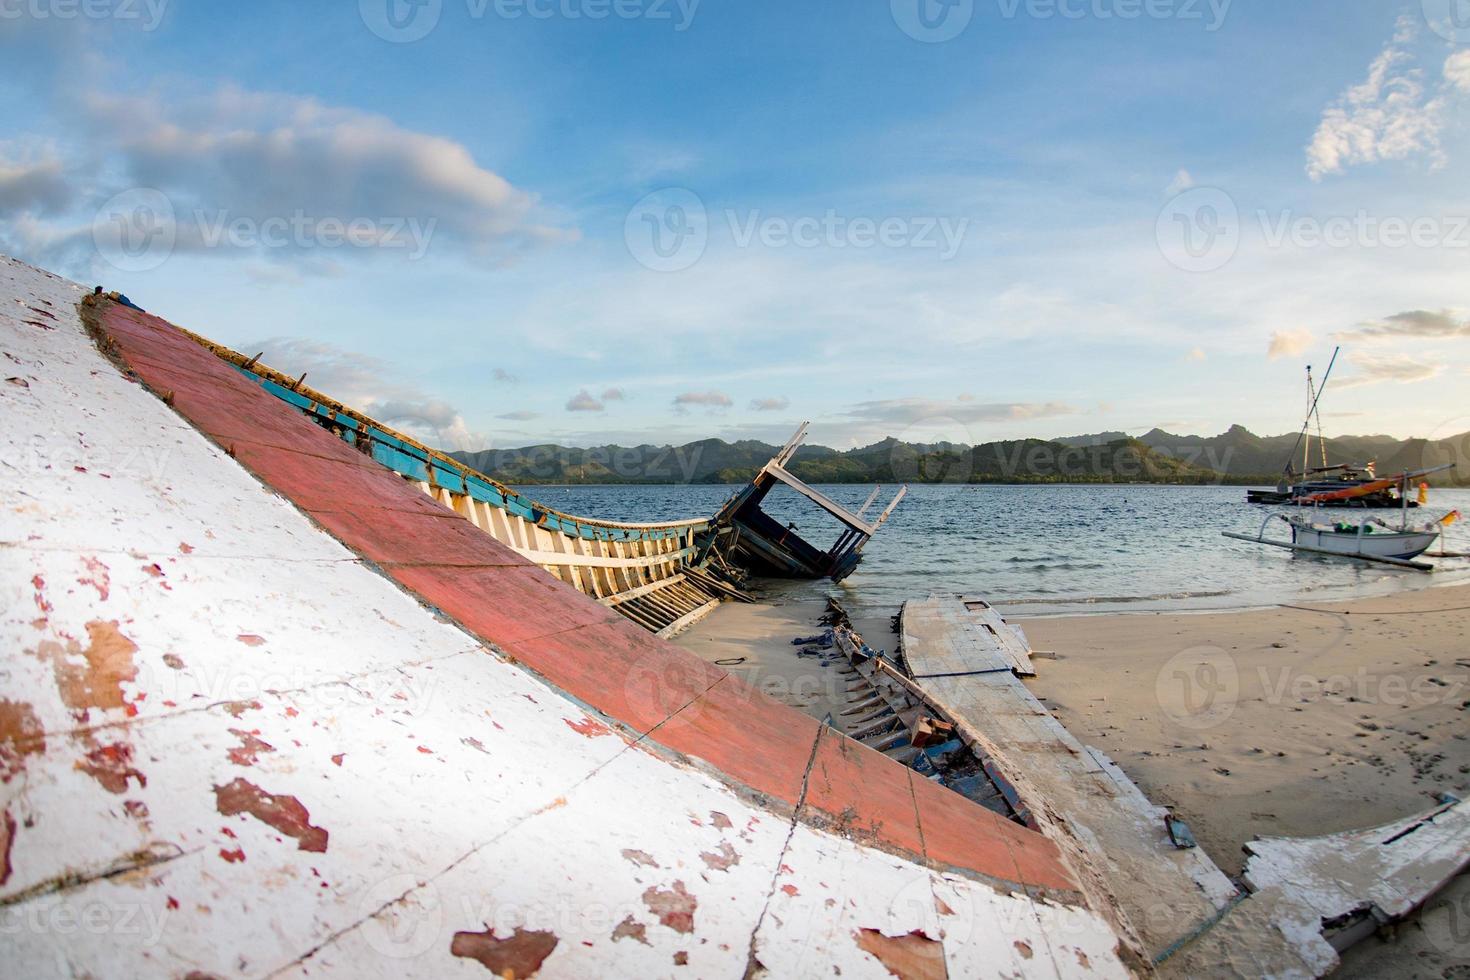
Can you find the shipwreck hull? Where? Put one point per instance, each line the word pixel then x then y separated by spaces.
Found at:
pixel 271 711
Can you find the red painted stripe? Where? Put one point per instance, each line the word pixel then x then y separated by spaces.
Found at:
pixel 592 654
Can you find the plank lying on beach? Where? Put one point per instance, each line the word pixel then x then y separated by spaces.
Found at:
pixel 1326 893
pixel 967 668
pixel 965 637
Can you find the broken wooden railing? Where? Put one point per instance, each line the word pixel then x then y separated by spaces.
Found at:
pixel 745 533
pixel 644 571
pixel 664 576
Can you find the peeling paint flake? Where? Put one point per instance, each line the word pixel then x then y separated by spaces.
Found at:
pixel 590 727
pixel 7 840
pixel 21 734
pixel 630 929
pixel 105 665
pixel 112 766
pixel 722 861
pixel 518 955
pixel 250 746
pixel 640 857
pixel 674 907
pixel 284 813
pixel 911 957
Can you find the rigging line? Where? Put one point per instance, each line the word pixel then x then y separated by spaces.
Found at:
pixel 1306 426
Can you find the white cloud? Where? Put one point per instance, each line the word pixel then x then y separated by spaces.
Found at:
pixel 270 163
pixel 1197 354
pixel 521 416
pixel 712 400
pixel 911 411
pixel 1391 115
pixel 1396 368
pixel 366 384
pixel 1457 70
pixel 770 404
pixel 1182 182
pixel 504 376
pixel 614 395
pixel 1411 325
pixel 583 401
pixel 32 182
pixel 1289 343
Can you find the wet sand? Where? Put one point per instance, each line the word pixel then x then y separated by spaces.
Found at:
pixel 759 637
pixel 1274 722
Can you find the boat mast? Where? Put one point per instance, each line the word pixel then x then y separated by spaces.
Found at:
pixel 1311 406
pixel 1306 425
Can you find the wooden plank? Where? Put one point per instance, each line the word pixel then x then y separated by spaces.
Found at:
pixel 1078 796
pixel 1017 647
pixel 622 597
pixel 822 500
pixel 684 622
pixel 598 561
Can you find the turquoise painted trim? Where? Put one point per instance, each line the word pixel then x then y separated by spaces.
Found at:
pixel 412 462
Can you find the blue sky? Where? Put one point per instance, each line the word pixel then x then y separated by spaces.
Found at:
pixel 1069 216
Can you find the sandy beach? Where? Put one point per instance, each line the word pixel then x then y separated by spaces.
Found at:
pixel 1284 721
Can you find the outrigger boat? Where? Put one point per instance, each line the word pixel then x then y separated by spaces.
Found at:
pixel 1371 540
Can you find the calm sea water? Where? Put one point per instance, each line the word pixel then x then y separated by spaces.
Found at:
pixel 1042 550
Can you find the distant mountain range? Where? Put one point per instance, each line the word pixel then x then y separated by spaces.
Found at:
pixel 1235 456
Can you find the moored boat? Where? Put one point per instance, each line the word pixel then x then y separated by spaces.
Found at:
pixel 1363 540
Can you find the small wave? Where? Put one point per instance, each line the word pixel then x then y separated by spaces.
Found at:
pixel 1100 599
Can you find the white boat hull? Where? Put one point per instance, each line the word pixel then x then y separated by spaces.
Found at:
pixel 1402 545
